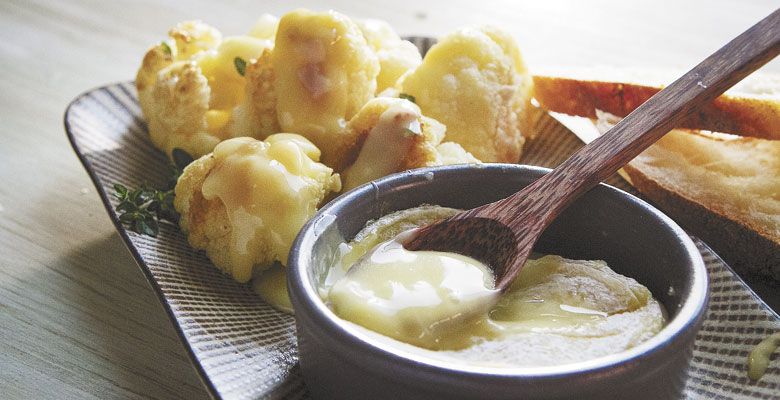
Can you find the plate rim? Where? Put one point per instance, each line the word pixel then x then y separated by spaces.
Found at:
pixel 140 262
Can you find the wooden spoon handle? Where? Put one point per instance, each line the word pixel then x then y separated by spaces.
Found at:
pixel 658 115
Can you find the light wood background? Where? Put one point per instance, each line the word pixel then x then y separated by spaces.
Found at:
pixel 77 318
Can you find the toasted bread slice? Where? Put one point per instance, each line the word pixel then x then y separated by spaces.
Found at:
pixel 750 109
pixel 725 190
pixel 722 188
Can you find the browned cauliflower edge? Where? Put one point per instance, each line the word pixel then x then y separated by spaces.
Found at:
pixel 238 205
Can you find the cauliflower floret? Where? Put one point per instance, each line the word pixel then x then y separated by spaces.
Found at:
pixel 188 88
pixel 226 79
pixel 392 136
pixel 192 37
pixel 474 81
pixel 245 202
pixel 176 114
pixel 256 116
pixel 188 38
pixel 325 72
pixel 265 27
pixel 452 153
pixel 396 56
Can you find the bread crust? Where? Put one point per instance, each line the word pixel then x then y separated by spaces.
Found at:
pixel 746 116
pixel 745 249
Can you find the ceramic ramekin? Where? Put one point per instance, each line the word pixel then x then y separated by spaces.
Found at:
pixel 635 239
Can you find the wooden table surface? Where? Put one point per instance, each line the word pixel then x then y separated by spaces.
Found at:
pixel 77 318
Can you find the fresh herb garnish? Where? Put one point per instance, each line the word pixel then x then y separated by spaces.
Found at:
pixel 141 209
pixel 240 64
pixel 166 48
pixel 407 97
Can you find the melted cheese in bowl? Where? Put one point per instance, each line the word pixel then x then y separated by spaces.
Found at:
pixel 414 296
pixel 557 311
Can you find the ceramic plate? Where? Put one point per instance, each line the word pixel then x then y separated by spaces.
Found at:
pixel 244 349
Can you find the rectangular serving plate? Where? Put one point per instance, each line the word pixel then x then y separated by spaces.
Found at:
pixel 244 349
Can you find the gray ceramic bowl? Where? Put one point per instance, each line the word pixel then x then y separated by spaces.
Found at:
pixel 633 237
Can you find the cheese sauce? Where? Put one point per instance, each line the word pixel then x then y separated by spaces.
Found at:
pixel 443 305
pixel 758 360
pixel 386 145
pixel 266 215
pixel 271 286
pixel 414 296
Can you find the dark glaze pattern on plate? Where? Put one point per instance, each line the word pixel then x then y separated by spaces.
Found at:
pixel 244 349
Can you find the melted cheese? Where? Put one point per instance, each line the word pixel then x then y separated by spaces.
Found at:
pixel 218 66
pixel 324 72
pixel 216 121
pixel 386 145
pixel 414 296
pixel 269 189
pixel 265 27
pixel 758 360
pixel 396 56
pixel 271 285
pixel 557 311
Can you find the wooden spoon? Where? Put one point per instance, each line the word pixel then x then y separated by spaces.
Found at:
pixel 502 234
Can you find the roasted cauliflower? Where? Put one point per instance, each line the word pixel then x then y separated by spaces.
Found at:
pixel 475 82
pixel 187 39
pixel 324 71
pixel 396 56
pixel 188 86
pixel 245 202
pixel 391 135
pixel 256 116
pixel 224 100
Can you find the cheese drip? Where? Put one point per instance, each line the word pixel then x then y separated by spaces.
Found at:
pixel 386 145
pixel 758 359
pixel 269 189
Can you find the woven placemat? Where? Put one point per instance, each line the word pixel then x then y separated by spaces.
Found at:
pixel 244 349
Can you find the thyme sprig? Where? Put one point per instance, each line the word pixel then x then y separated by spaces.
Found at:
pixel 141 209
